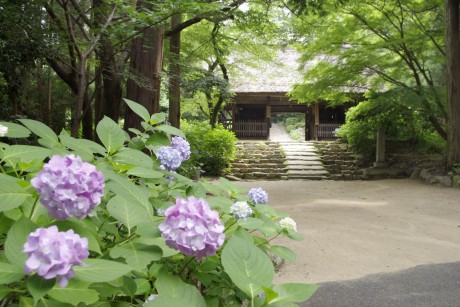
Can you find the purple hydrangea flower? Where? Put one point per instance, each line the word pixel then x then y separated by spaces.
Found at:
pixel 150 298
pixel 191 227
pixel 241 210
pixel 169 157
pixel 182 146
pixel 258 196
pixel 53 253
pixel 69 187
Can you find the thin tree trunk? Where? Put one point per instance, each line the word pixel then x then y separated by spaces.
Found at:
pixel 174 74
pixel 453 81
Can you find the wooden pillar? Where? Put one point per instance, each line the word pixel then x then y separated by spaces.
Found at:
pixel 268 115
pixel 316 114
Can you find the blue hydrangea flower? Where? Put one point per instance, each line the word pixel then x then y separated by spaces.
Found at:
pixel 182 146
pixel 169 158
pixel 241 210
pixel 258 196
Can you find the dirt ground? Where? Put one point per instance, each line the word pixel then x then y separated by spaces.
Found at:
pixel 356 228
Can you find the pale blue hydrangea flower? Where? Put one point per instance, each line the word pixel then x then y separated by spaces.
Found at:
pixel 160 212
pixel 3 130
pixel 169 158
pixel 241 210
pixel 69 187
pixel 258 196
pixel 288 223
pixel 182 146
pixel 191 227
pixel 53 253
pixel 150 298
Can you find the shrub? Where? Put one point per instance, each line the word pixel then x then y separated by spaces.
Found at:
pixel 405 129
pixel 135 246
pixel 212 149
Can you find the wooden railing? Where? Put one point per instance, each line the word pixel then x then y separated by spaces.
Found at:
pixel 327 131
pixel 248 129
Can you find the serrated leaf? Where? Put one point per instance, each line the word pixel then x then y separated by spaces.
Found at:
pixel 15 130
pixel 292 292
pixel 170 130
pixel 143 172
pixel 138 109
pixel 172 289
pixel 137 255
pixel 79 148
pixel 283 252
pixel 25 153
pixel 110 134
pixel 158 139
pixel 157 118
pixel 133 193
pixel 11 193
pixel 248 267
pixel 9 273
pixel 38 286
pixel 128 212
pixel 47 136
pixel 75 293
pixel 15 240
pixel 99 270
pixel 251 223
pixel 133 157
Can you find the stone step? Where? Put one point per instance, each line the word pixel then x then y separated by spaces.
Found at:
pixel 304 167
pixel 307 172
pixel 315 161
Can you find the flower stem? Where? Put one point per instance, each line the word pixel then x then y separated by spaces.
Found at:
pixel 33 209
pixel 230 225
pixel 186 265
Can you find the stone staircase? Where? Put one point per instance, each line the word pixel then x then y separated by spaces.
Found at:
pixel 302 161
pixel 340 161
pixel 258 160
pixel 277 160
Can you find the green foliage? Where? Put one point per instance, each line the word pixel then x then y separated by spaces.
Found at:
pixel 376 46
pixel 405 128
pixel 129 260
pixel 212 149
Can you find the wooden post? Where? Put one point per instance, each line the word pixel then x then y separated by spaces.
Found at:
pixel 380 150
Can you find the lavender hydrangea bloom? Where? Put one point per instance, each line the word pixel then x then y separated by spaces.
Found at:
pixel 53 253
pixel 241 210
pixel 69 187
pixel 191 227
pixel 169 157
pixel 258 196
pixel 182 146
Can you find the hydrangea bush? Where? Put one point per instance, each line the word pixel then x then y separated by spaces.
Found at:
pixel 85 224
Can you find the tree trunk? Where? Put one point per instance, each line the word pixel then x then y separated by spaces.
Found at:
pixel 453 81
pixel 146 64
pixel 174 74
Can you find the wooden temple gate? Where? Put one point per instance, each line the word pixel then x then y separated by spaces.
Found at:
pixel 250 116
